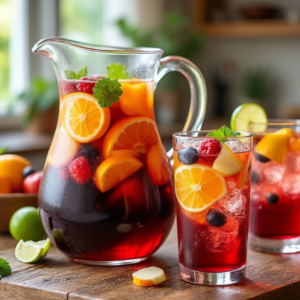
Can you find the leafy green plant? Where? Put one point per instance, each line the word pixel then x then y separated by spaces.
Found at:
pixel 256 83
pixel 173 36
pixel 40 97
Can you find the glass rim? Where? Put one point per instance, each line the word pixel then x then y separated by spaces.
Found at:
pixel 278 122
pixel 98 48
pixel 189 134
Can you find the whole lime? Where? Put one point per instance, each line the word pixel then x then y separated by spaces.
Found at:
pixel 25 224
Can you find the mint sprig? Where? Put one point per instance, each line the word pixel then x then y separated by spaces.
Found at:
pixel 117 71
pixel 223 132
pixel 107 91
pixel 5 268
pixel 73 75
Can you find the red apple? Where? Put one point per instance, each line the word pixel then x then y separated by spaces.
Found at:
pixel 31 183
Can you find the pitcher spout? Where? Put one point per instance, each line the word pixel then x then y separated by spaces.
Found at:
pixel 66 55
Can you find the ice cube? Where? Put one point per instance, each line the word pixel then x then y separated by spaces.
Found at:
pixel 292 162
pixel 191 143
pixel 235 203
pixel 220 239
pixel 237 146
pixel 290 186
pixel 273 172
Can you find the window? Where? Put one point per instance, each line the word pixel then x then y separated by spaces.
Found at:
pixel 81 20
pixel 5 17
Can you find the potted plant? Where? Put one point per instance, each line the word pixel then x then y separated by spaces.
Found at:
pixel 42 100
pixel 175 38
pixel 256 85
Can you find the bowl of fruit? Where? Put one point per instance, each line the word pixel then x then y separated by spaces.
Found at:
pixel 19 185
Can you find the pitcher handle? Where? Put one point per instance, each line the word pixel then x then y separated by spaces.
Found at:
pixel 197 87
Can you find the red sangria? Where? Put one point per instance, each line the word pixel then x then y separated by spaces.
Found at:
pixel 107 193
pixel 275 193
pixel 212 185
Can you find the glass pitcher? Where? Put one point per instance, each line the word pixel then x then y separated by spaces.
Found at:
pixel 107 194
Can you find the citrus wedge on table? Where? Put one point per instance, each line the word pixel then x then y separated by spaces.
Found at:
pixel 149 276
pixel 44 244
pixel 114 170
pixel 84 119
pixel 198 187
pixel 275 145
pixel 246 114
pixel 130 133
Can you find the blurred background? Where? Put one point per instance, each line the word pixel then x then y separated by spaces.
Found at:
pixel 247 53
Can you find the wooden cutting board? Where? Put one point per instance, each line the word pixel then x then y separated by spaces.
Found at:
pixel 269 276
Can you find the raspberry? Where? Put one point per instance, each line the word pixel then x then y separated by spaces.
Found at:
pixel 210 146
pixel 209 150
pixel 86 87
pixel 80 170
pixel 66 87
pixel 116 113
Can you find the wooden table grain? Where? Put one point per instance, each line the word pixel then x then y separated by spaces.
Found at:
pixel 269 276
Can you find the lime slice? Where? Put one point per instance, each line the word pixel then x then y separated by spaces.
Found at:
pixel 248 113
pixel 44 244
pixel 27 253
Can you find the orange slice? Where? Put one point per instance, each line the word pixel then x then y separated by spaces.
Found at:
pixel 85 120
pixel 136 99
pixel 130 133
pixel 114 170
pixel 275 145
pixel 149 276
pixel 158 165
pixel 198 187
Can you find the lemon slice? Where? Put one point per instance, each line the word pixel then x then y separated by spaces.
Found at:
pixel 28 253
pixel 44 244
pixel 149 276
pixel 246 114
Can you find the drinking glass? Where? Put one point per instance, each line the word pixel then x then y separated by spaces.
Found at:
pixel 213 192
pixel 275 188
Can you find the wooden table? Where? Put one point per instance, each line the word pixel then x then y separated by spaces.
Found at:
pixel 56 277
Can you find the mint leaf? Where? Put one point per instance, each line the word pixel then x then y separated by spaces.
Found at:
pixel 107 91
pixel 2 150
pixel 82 73
pixel 70 74
pixel 5 268
pixel 117 71
pixel 223 132
pixel 73 75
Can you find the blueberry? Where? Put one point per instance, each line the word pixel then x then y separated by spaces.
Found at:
pixel 255 177
pixel 188 156
pixel 28 171
pixel 261 158
pixel 216 218
pixel 272 198
pixel 91 154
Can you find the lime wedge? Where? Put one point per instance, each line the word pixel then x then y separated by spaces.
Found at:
pixel 27 253
pixel 44 244
pixel 249 117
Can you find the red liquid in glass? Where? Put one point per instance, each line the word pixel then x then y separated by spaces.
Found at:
pixel 276 220
pixel 205 248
